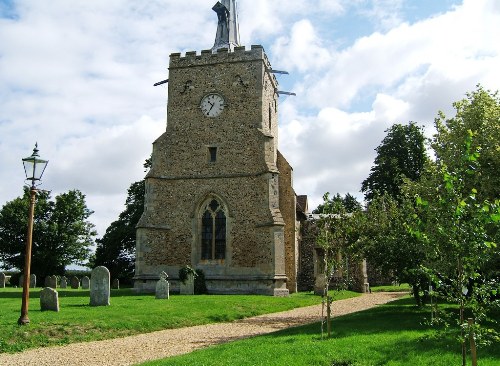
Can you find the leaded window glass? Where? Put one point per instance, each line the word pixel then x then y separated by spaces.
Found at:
pixel 213 232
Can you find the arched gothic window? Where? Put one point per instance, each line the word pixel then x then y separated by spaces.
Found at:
pixel 213 232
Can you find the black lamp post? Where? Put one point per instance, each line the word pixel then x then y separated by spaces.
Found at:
pixel 33 168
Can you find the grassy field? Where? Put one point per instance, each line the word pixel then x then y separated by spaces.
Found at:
pixel 128 314
pixel 391 334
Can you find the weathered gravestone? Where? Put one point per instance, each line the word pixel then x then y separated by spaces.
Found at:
pixel 2 280
pixel 187 286
pixel 320 284
pixel 32 283
pixel 85 282
pixel 51 281
pixel 99 287
pixel 74 282
pixel 115 284
pixel 163 287
pixel 64 282
pixel 49 299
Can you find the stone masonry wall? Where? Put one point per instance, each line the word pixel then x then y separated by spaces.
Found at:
pixel 243 178
pixel 288 211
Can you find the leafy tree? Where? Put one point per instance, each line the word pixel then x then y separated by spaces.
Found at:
pixel 457 230
pixel 61 235
pixel 337 232
pixel 479 113
pixel 400 155
pixel 349 203
pixel 116 249
pixel 386 241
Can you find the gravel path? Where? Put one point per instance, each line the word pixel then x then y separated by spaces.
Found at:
pixel 150 346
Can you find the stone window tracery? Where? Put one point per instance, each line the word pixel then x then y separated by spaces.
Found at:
pixel 213 232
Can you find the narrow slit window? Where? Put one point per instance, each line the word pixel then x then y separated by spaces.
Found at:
pixel 270 118
pixel 212 151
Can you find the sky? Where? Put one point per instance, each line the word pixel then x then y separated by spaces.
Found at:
pixel 77 77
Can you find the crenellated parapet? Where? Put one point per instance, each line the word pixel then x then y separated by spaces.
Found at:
pixel 222 55
pixel 192 58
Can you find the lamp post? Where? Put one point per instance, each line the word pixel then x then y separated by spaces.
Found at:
pixel 33 168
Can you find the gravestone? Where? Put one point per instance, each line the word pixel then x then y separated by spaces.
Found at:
pixel 2 280
pixel 74 282
pixel 187 287
pixel 163 287
pixel 99 287
pixel 85 282
pixel 32 283
pixel 115 284
pixel 64 282
pixel 49 299
pixel 51 281
pixel 320 284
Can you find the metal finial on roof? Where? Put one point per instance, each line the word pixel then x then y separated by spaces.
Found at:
pixel 228 33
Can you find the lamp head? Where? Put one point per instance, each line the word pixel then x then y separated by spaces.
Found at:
pixel 34 166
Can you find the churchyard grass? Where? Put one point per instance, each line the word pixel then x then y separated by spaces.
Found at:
pixel 392 288
pixel 393 334
pixel 128 314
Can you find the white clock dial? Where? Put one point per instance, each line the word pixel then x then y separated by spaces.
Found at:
pixel 212 105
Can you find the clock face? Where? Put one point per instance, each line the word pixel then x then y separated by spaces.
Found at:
pixel 212 105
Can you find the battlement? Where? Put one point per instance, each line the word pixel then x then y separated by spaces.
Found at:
pixel 207 57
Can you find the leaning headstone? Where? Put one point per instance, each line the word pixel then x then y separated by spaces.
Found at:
pixel 163 287
pixel 115 284
pixel 187 286
pixel 74 282
pixel 2 280
pixel 32 281
pixel 85 282
pixel 99 287
pixel 64 282
pixel 49 299
pixel 51 281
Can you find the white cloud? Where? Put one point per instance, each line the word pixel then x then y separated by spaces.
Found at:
pixel 302 51
pixel 77 77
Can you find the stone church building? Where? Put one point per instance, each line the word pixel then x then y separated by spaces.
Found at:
pixel 219 195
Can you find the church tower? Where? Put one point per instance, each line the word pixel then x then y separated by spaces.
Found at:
pixel 213 192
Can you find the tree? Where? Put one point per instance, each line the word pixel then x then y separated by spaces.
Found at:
pixel 386 241
pixel 348 202
pixel 400 155
pixel 61 236
pixel 337 232
pixel 458 231
pixel 116 249
pixel 479 113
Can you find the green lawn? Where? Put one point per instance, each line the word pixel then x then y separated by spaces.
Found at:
pixel 404 287
pixel 391 334
pixel 128 314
